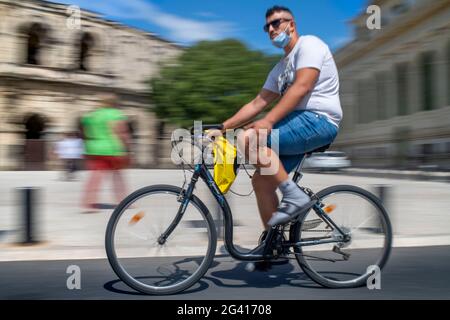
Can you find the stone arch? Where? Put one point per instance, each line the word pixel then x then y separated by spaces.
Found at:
pixel 86 49
pixel 34 147
pixel 34 125
pixel 89 50
pixel 36 37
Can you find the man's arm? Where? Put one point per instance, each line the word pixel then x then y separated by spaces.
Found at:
pixel 303 84
pixel 251 109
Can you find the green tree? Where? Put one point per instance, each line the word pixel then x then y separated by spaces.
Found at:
pixel 209 81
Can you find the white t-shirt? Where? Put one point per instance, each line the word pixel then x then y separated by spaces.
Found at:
pixel 310 52
pixel 70 148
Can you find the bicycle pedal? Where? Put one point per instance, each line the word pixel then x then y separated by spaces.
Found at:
pixel 250 267
pixel 262 266
pixel 345 255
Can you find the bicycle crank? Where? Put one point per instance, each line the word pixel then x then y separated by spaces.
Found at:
pixel 338 250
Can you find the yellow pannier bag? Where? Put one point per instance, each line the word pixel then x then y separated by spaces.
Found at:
pixel 225 163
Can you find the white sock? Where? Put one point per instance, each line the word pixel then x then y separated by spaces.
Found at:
pixel 292 193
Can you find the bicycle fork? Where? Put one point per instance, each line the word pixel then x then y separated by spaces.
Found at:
pixel 184 198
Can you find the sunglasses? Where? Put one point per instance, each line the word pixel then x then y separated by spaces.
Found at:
pixel 275 24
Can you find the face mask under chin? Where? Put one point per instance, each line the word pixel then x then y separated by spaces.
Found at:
pixel 282 40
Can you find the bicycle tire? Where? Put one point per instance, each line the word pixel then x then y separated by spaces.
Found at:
pixel 131 281
pixel 296 231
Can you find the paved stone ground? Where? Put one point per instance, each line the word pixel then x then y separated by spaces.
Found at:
pixel 418 210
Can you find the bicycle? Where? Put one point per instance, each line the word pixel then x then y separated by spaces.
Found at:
pixel 321 241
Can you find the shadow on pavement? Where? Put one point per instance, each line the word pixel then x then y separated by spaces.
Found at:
pixel 201 285
pixel 110 286
pixel 237 277
pixel 277 276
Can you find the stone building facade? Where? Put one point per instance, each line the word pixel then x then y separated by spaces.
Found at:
pixel 58 70
pixel 395 87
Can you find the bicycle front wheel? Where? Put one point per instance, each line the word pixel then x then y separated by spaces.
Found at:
pixel 136 252
pixel 332 261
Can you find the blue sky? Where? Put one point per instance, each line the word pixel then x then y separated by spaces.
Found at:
pixel 188 21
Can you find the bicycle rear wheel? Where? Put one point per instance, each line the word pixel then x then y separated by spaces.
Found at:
pixel 344 264
pixel 133 235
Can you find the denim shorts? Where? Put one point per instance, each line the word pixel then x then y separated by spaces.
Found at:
pixel 301 132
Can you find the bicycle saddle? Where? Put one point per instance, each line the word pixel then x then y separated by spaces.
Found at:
pixel 320 149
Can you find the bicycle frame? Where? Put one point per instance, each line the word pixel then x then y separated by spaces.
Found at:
pixel 262 251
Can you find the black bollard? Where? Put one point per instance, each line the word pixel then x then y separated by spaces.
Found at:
pixel 383 193
pixel 29 212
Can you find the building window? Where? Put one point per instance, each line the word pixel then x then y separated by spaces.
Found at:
pixel 448 73
pixel 361 103
pixel 381 96
pixel 402 89
pixel 35 36
pixel 366 101
pixel 384 20
pixel 428 83
pixel 400 8
pixel 371 100
pixel 86 44
pixel 427 149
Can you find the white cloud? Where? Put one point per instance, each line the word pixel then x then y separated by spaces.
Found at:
pixel 206 14
pixel 340 41
pixel 179 29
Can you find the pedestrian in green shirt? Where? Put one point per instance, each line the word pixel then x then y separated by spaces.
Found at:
pixel 106 140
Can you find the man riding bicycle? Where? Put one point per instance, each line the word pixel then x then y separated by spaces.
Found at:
pixel 307 115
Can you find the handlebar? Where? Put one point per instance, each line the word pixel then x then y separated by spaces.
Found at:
pixel 209 127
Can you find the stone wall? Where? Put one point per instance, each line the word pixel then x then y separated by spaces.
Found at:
pixel 380 127
pixel 119 59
